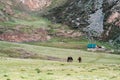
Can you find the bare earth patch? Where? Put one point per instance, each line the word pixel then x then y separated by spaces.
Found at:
pixel 17 36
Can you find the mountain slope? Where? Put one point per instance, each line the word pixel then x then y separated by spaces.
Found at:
pixel 19 22
pixel 99 18
pixel 90 16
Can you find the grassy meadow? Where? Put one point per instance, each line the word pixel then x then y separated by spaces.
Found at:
pixel 47 60
pixel 21 69
pixel 94 66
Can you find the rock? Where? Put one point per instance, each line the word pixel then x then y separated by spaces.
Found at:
pixel 34 5
pixel 111 20
pixel 8 10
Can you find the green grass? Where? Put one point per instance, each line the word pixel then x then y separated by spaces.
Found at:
pixel 8 24
pixel 94 66
pixel 69 43
pixel 21 69
pixel 59 42
pixel 27 25
pixel 30 25
pixel 87 57
pixel 1 6
pixel 35 23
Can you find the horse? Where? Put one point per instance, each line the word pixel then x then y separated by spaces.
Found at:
pixel 69 59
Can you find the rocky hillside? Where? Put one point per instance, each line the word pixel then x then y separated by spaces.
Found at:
pixel 13 16
pixel 111 9
pixel 19 22
pixel 99 18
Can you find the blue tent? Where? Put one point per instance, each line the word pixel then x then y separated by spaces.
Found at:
pixel 91 46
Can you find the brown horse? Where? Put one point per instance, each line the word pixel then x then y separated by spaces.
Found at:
pixel 79 59
pixel 69 59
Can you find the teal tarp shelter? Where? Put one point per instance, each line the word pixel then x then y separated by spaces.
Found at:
pixel 91 46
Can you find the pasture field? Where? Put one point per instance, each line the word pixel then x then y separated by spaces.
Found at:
pixel 50 63
pixel 28 69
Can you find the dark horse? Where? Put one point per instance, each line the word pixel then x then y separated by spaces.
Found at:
pixel 79 59
pixel 69 59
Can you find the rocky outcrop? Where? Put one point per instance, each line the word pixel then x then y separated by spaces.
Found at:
pixel 82 14
pixel 95 17
pixel 36 4
pixel 111 8
pixel 31 5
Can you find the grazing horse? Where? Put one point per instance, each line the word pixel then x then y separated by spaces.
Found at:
pixel 79 59
pixel 69 59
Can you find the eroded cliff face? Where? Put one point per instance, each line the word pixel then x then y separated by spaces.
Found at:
pixel 35 5
pixel 27 5
pixel 111 8
pixel 92 16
